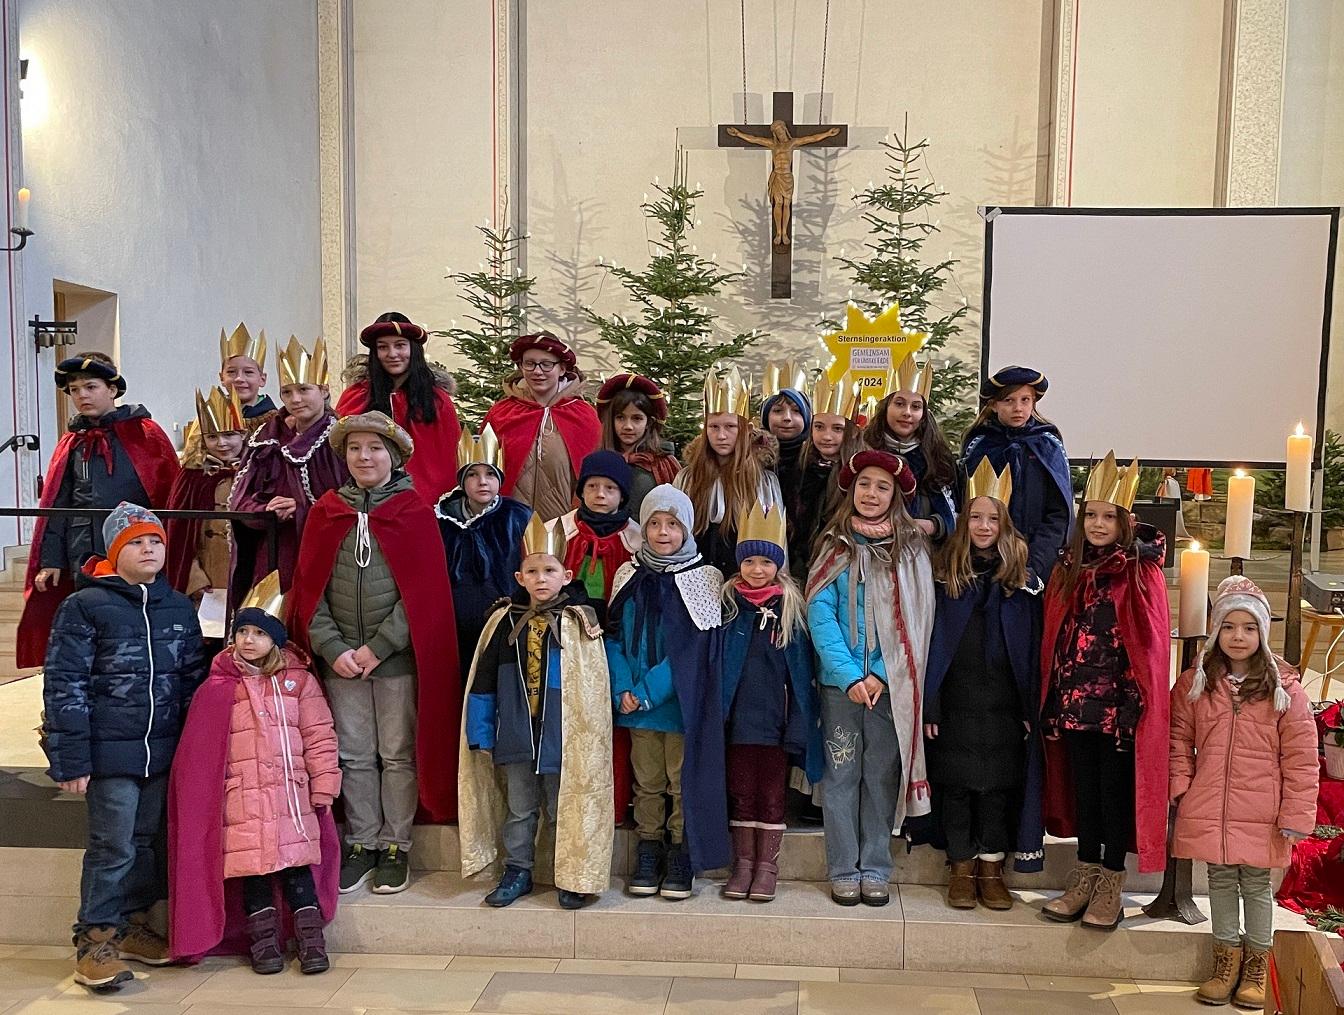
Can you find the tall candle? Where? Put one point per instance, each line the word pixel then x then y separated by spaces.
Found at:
pixel 21 215
pixel 1297 484
pixel 1193 615
pixel 1240 508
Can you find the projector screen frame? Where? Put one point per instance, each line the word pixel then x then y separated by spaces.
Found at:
pixel 991 212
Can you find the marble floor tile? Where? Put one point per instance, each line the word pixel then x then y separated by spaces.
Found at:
pixel 43 951
pixel 714 996
pixel 165 985
pixel 502 964
pixel 1162 1004
pixel 238 985
pixel 91 1004
pixel 257 1009
pixel 639 967
pixel 356 960
pixel 1166 986
pixel 1098 985
pixel 26 979
pixel 565 994
pixel 934 978
pixel 821 974
pixel 412 989
pixel 993 1001
pixel 883 999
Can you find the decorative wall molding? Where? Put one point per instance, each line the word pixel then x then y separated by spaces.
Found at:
pixel 336 169
pixel 26 357
pixel 1255 111
pixel 1065 71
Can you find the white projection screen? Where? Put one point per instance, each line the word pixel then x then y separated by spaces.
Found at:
pixel 1193 337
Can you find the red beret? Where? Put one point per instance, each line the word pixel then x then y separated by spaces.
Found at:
pixel 884 460
pixel 634 382
pixel 546 342
pixel 381 329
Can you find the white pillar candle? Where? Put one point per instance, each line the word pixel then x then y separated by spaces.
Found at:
pixel 21 213
pixel 1193 615
pixel 1240 509
pixel 1297 484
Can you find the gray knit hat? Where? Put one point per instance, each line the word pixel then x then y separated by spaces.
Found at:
pixel 668 498
pixel 1240 593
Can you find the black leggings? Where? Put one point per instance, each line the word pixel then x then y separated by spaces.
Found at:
pixel 296 883
pixel 1103 797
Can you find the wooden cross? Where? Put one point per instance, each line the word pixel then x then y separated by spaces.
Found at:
pixel 782 136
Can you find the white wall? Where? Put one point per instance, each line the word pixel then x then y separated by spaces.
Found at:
pixel 171 148
pixel 16 470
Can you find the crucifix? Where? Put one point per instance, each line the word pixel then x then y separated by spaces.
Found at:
pixel 782 136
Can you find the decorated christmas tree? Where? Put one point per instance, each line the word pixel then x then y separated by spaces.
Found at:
pixel 498 295
pixel 673 341
pixel 899 225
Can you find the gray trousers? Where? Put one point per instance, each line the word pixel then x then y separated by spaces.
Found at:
pixel 1230 884
pixel 526 790
pixel 375 729
pixel 863 780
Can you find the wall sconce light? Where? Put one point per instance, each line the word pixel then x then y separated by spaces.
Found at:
pixel 20 229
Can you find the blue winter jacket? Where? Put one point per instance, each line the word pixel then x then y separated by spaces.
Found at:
pixel 122 664
pixel 839 663
pixel 630 671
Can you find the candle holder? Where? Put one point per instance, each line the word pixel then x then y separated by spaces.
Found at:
pixel 1176 899
pixel 1292 620
pixel 22 233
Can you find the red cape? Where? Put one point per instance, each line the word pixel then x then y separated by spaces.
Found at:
pixel 516 422
pixel 206 910
pixel 1144 620
pixel 155 462
pixel 433 467
pixel 404 527
pixel 193 490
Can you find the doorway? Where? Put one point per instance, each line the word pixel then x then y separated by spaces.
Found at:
pixel 95 311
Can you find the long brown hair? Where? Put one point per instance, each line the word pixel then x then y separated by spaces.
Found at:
pixel 1072 564
pixel 840 528
pixel 740 474
pixel 652 440
pixel 952 563
pixel 1259 684
pixel 941 464
pixel 850 446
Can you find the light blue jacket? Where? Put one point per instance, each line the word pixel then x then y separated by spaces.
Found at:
pixel 839 663
pixel 628 666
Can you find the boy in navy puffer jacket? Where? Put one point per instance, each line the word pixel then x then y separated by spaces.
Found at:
pixel 124 657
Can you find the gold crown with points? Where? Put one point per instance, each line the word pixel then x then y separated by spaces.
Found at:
pixel 241 343
pixel 985 482
pixel 909 377
pixel 766 524
pixel 727 392
pixel 781 374
pixel 544 537
pixel 220 412
pixel 835 398
pixel 298 366
pixel 1112 484
pixel 266 597
pixel 480 450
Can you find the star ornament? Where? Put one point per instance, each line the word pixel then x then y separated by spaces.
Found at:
pixel 869 347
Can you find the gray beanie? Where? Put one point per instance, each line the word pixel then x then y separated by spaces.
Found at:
pixel 1240 593
pixel 668 498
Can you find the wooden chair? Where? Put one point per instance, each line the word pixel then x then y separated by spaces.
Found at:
pixel 1332 624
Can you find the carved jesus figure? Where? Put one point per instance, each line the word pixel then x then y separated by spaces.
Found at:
pixel 780 184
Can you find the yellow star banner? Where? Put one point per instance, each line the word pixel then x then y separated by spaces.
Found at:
pixel 869 347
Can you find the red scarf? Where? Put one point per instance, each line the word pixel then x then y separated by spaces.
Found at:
pixel 662 467
pixel 757 597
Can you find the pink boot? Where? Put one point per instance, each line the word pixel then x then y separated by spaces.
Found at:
pixel 744 855
pixel 767 864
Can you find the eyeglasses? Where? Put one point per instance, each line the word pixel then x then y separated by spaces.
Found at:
pixel 544 365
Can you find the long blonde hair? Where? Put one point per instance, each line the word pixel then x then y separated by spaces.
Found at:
pixel 792 605
pixel 905 534
pixel 952 563
pixel 739 473
pixel 272 662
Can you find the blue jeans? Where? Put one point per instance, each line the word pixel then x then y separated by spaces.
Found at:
pixel 121 864
pixel 528 793
pixel 863 784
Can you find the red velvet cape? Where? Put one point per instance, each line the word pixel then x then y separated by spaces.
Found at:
pixel 516 422
pixel 433 467
pixel 1144 620
pixel 155 462
pixel 405 529
pixel 193 490
pixel 206 910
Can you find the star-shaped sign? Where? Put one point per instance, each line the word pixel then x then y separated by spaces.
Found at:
pixel 869 347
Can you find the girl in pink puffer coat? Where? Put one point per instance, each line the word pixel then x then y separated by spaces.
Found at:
pixel 1244 772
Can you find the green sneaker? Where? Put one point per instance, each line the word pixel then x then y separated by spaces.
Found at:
pixel 357 867
pixel 393 873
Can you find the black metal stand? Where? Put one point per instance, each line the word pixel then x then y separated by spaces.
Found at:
pixel 22 234
pixel 1292 623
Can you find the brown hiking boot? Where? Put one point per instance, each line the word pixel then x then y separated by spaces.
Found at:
pixel 97 964
pixel 1107 907
pixel 1254 969
pixel 140 942
pixel 1226 968
pixel 989 885
pixel 961 885
pixel 1078 888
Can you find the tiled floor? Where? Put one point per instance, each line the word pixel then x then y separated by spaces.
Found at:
pixel 37 981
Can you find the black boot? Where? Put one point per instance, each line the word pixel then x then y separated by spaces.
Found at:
pixel 678 883
pixel 312 944
pixel 263 929
pixel 648 876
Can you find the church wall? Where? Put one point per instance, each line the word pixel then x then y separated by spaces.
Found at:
pixel 172 155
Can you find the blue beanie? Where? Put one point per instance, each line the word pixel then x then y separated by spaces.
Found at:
pixel 258 617
pixel 793 395
pixel 609 465
pixel 760 548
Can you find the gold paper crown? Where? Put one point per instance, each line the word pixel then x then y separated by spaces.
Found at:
pixel 839 398
pixel 544 537
pixel 781 374
pixel 767 525
pixel 984 482
pixel 727 393
pixel 482 450
pixel 221 412
pixel 1111 484
pixel 908 377
pixel 240 343
pixel 298 366
pixel 267 597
